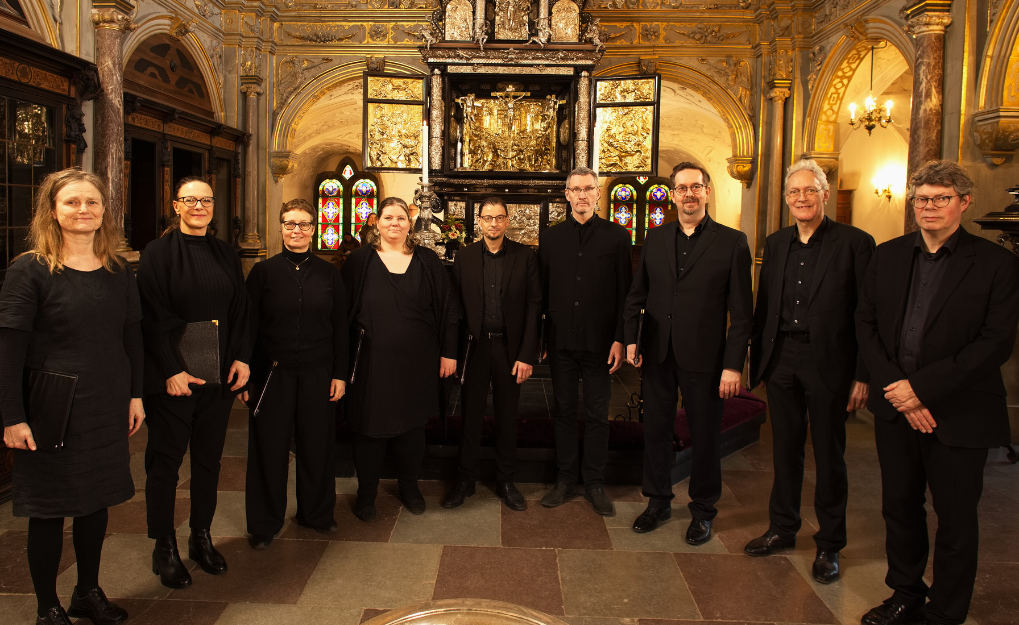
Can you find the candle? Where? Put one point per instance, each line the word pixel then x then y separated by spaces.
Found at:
pixel 424 152
pixel 888 109
pixel 852 111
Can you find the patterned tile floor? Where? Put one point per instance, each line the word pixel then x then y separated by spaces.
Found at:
pixel 567 562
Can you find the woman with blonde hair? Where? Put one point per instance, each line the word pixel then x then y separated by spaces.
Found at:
pixel 70 306
pixel 404 316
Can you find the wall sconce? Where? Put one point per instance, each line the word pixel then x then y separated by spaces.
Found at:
pixel 887 192
pixel 888 181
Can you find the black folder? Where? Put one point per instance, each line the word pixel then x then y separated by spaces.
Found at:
pixel 197 347
pixel 48 397
pixel 357 355
pixel 461 363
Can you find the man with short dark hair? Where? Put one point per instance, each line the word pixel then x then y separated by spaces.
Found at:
pixel 497 280
pixel 693 280
pixel 937 319
pixel 586 271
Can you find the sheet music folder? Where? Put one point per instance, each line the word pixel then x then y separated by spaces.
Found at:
pixel 48 397
pixel 197 348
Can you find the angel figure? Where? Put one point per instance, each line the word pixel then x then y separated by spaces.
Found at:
pixel 544 34
pixel 593 34
pixel 428 36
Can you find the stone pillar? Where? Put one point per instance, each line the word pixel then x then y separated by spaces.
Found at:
pixel 251 87
pixel 778 94
pixel 583 117
pixel 436 110
pixel 111 18
pixel 926 21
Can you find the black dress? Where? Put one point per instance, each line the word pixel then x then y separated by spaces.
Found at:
pixel 77 322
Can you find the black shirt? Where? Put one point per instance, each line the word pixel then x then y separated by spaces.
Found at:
pixel 928 270
pixel 799 273
pixel 685 245
pixel 492 320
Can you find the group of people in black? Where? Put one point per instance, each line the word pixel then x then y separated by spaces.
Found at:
pixel 915 329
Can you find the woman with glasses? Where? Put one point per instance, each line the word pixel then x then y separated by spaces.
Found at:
pixel 189 276
pixel 406 318
pixel 298 368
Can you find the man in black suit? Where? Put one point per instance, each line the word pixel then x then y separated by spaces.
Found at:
pixel 497 280
pixel 693 274
pixel 586 268
pixel 937 319
pixel 804 347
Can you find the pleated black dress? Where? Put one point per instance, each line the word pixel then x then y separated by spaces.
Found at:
pixel 77 321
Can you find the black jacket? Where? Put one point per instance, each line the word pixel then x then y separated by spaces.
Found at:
pixel 834 291
pixel 969 333
pixel 584 285
pixel 693 308
pixel 521 295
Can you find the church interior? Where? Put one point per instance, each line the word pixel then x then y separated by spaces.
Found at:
pixel 443 102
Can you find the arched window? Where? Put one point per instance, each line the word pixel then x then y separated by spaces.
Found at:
pixel 364 199
pixel 346 196
pixel 640 203
pixel 657 206
pixel 623 208
pixel 330 215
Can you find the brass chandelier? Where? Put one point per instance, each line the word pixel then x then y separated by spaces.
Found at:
pixel 873 114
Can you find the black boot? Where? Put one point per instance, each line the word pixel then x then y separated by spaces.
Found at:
pixel 167 565
pixel 200 550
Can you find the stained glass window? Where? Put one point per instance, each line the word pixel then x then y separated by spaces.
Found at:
pixel 657 204
pixel 348 172
pixel 623 208
pixel 642 179
pixel 365 197
pixel 330 215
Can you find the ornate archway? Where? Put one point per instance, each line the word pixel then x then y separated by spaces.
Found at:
pixel 996 121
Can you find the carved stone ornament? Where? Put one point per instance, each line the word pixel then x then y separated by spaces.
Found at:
pixel 831 10
pixel 112 18
pixel 511 19
pixel 180 28
pixel 648 66
pixel 593 34
pixel 375 63
pixel 856 31
pixel 291 74
pixel 827 161
pixel 282 164
pixel 781 66
pixel 779 94
pixel 459 21
pixel 816 61
pixel 741 168
pixel 86 83
pixel 74 126
pixel 532 56
pixel 251 62
pixel 996 133
pixel 565 21
pixel 926 23
pixel 737 77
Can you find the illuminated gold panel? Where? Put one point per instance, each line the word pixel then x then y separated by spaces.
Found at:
pixel 394 135
pixel 525 221
pixel 386 88
pixel 640 90
pixel 492 142
pixel 624 138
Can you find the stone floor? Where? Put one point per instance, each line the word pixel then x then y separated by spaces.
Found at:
pixel 567 562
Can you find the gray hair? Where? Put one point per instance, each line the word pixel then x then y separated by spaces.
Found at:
pixel 942 174
pixel 808 164
pixel 581 171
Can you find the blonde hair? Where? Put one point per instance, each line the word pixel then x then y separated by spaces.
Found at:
pixel 47 239
pixel 375 238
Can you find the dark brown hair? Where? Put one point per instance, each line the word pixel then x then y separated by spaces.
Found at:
pixel 175 220
pixel 375 238
pixel 493 200
pixel 942 174
pixel 688 165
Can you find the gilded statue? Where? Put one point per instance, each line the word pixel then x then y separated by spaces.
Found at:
pixel 593 34
pixel 508 132
pixel 544 33
pixel 511 19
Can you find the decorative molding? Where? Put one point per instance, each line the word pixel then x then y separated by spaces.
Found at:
pixel 333 33
pixel 187 133
pixel 928 23
pixel 179 28
pixel 816 61
pixel 737 76
pixel 113 19
pixel 741 168
pixel 251 62
pixel 291 73
pixel 780 66
pixel 26 74
pixel 831 10
pixel 282 164
pixel 144 121
pixel 375 63
pixel 779 95
pixel 223 142
pixel 996 133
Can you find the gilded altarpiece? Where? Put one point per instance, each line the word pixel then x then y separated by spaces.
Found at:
pixel 626 125
pixel 393 115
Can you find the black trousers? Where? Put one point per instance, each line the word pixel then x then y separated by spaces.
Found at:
pixel 568 367
pixel 175 423
pixel 46 544
pixel 489 364
pixel 295 405
pixel 797 395
pixel 704 419
pixel 910 463
pixel 370 453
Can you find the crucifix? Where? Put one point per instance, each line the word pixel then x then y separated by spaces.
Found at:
pixel 509 97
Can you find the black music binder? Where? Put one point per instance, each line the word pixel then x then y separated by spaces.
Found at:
pixel 48 396
pixel 197 347
pixel 357 355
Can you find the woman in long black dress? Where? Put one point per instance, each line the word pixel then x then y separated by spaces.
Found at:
pixel 298 373
pixel 71 306
pixel 188 276
pixel 402 299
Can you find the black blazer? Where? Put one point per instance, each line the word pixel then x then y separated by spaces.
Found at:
pixel 584 286
pixel 834 291
pixel 521 295
pixel 693 308
pixel 969 333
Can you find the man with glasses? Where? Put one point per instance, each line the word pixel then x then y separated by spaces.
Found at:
pixel 694 275
pixel 937 319
pixel 804 348
pixel 497 280
pixel 586 268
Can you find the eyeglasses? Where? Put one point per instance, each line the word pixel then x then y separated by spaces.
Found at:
pixel 696 189
pixel 499 219
pixel 305 226
pixel 581 190
pixel 809 193
pixel 940 201
pixel 191 201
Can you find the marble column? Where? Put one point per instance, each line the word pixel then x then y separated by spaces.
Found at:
pixel 928 29
pixel 436 110
pixel 582 132
pixel 778 94
pixel 111 21
pixel 251 87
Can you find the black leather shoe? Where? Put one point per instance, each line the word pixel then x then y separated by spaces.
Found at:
pixel 455 497
pixel 600 501
pixel 259 542
pixel 167 565
pixel 892 612
pixel 96 607
pixel 651 518
pixel 326 529
pixel 365 510
pixel 54 616
pixel 413 501
pixel 699 531
pixel 769 544
pixel 826 566
pixel 560 494
pixel 200 550
pixel 507 491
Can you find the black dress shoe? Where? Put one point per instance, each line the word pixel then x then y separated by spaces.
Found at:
pixel 507 491
pixel 200 550
pixel 96 607
pixel 413 501
pixel 455 497
pixel 53 616
pixel 893 612
pixel 769 544
pixel 365 510
pixel 600 501
pixel 699 531
pixel 329 528
pixel 826 566
pixel 559 495
pixel 651 518
pixel 167 565
pixel 259 542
